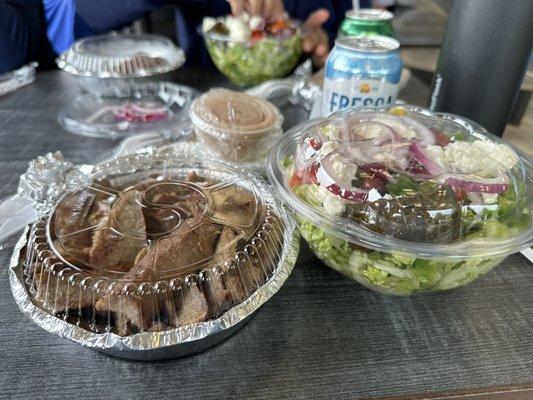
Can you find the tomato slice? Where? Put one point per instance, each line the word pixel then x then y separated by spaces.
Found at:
pixel 315 144
pixel 277 26
pixel 295 180
pixel 258 35
pixel 441 139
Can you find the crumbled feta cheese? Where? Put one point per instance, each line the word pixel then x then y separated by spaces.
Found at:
pixel 238 29
pixel 333 205
pixel 481 157
pixel 465 157
pixel 436 154
pixel 500 160
pixel 402 129
pixel 208 23
pixel 256 22
pixel 370 131
pixel 373 195
pixel 344 171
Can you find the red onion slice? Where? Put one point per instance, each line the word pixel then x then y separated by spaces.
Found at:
pixel 377 170
pixel 132 112
pixel 420 156
pixel 494 186
pixel 102 112
pixel 393 155
pixel 336 184
pixel 147 109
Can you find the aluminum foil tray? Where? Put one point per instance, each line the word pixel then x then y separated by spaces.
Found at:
pixel 62 288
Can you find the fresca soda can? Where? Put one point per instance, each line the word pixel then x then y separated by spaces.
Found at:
pixel 367 22
pixel 361 72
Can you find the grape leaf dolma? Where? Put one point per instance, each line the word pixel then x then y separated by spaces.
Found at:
pixel 428 213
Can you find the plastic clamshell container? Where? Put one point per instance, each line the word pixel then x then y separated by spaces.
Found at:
pixel 251 62
pixel 404 200
pixel 155 107
pixel 109 64
pixel 159 250
pixel 235 126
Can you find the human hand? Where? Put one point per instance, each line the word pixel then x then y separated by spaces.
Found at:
pixel 315 41
pixel 268 9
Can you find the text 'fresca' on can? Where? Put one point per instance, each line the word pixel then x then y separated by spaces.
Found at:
pixel 361 72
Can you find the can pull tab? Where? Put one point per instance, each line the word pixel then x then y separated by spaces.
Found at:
pixel 44 182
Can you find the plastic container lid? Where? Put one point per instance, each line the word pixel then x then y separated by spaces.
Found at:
pixel 156 242
pixel 405 180
pixel 118 55
pixel 158 107
pixel 238 126
pixel 12 80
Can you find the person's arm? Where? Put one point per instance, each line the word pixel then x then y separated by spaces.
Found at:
pixel 19 30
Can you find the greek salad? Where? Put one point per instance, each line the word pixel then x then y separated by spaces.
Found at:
pixel 249 49
pixel 395 175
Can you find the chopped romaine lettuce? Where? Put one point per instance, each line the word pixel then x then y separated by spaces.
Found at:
pixel 397 274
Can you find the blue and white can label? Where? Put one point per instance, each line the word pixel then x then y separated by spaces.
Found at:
pixel 361 72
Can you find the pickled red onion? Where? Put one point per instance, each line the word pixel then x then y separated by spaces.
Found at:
pixel 418 153
pixel 336 184
pixel 494 186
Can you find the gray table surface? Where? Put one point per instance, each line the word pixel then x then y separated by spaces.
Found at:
pixel 321 336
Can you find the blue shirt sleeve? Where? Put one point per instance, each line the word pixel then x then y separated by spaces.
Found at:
pixel 60 16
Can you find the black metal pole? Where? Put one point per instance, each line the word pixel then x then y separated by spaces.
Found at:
pixel 483 60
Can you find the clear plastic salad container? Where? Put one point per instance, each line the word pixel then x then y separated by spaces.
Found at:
pixel 249 51
pixel 236 126
pixel 154 107
pixel 109 64
pixel 404 200
pixel 154 242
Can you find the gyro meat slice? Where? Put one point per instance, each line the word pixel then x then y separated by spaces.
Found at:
pixel 234 206
pixel 116 246
pixel 73 219
pixel 174 256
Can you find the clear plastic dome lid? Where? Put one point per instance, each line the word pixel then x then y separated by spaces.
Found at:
pixel 121 55
pixel 155 107
pixel 407 180
pixel 228 114
pixel 236 126
pixel 154 243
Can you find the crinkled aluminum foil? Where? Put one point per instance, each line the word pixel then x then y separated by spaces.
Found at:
pixel 147 346
pixel 170 343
